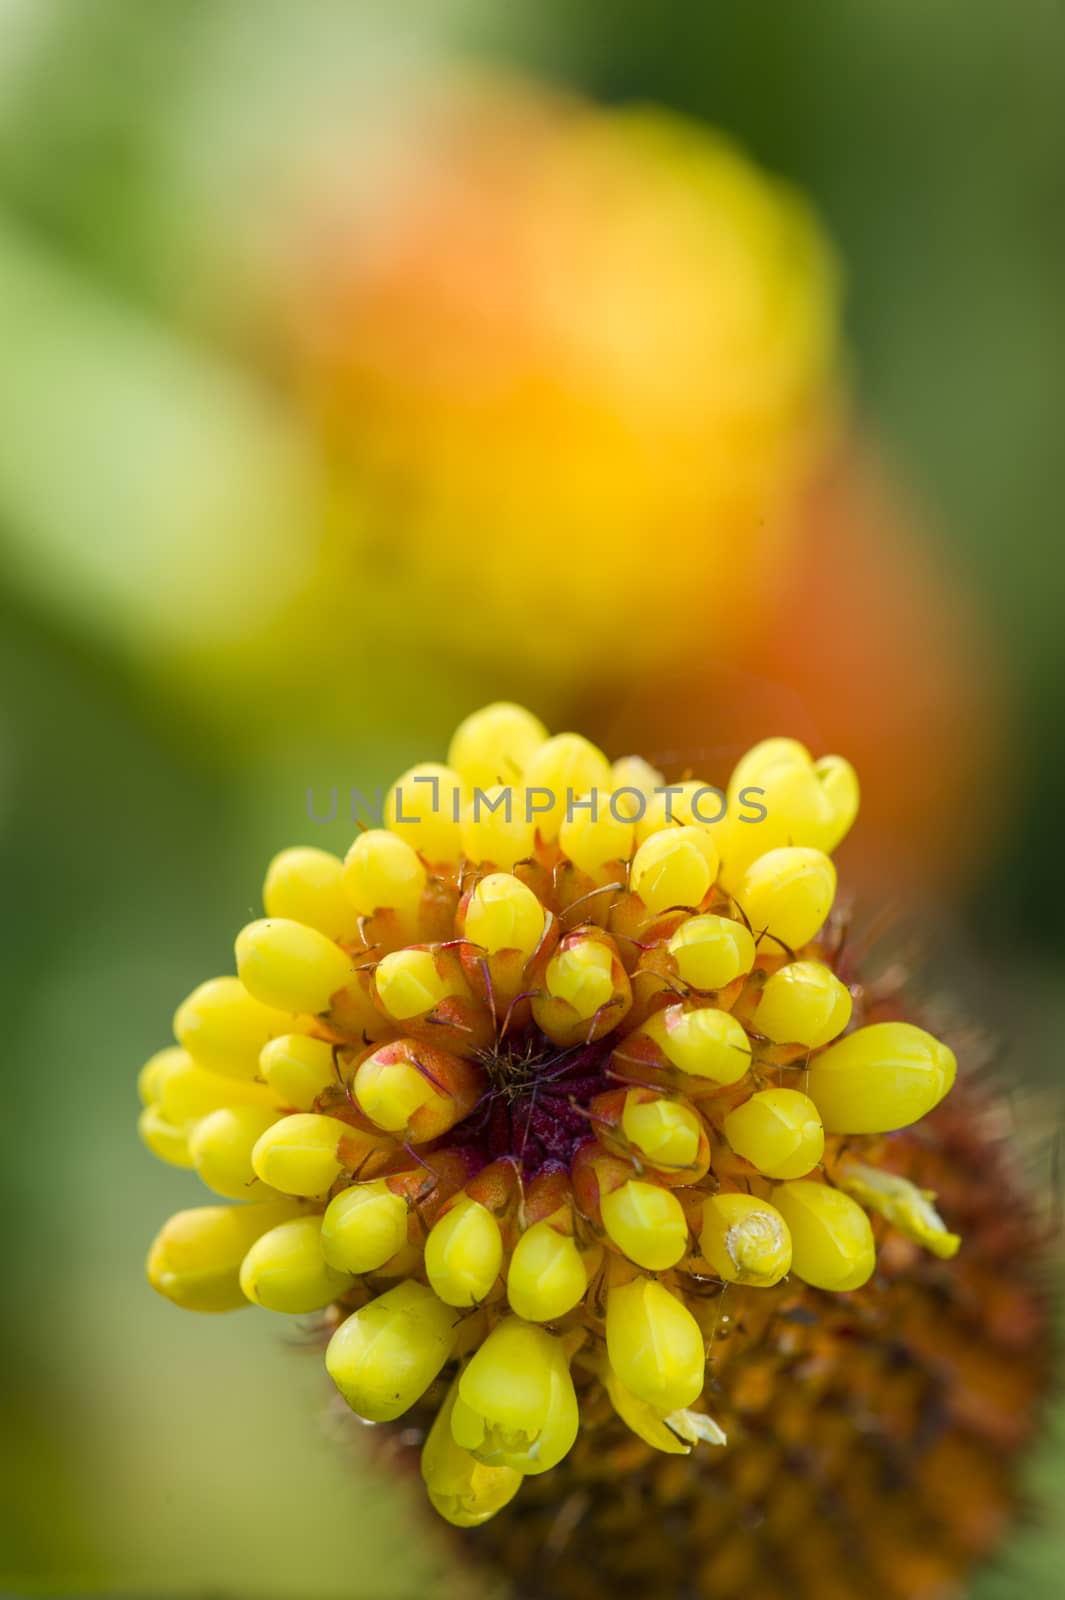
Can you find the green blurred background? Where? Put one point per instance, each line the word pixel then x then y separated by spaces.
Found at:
pixel 143 1452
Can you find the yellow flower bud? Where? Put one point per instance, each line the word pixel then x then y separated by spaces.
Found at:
pixel 711 952
pixel 298 1069
pixel 778 1131
pixel 184 1092
pixel 409 983
pixel 425 807
pixel 464 1253
pixel 564 768
pixel 384 1357
pixel 495 745
pixel 221 1146
pixel 462 1489
pixel 630 778
pixel 363 1227
pixel 382 872
pixel 745 1240
pixel 290 966
pixel 804 1003
pixel 647 1224
pixel 591 835
pixel 804 802
pixel 224 1029
pixel 195 1257
pixel 516 1406
pixel 705 1043
pixel 167 1140
pixel 546 1276
pixel 667 1133
pixel 582 974
pixel 504 914
pixel 672 1432
pixel 307 885
pixel 832 1242
pixel 301 1154
pixel 390 1092
pixel 497 826
pixel 692 804
pixel 906 1207
pixel 646 1421
pixel 654 1344
pixel 674 868
pixel 155 1071
pixel 285 1269
pixel 788 893
pixel 880 1078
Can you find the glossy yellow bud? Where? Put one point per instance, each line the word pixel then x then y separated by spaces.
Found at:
pixel 462 1489
pixel 672 1432
pixel 546 1277
pixel 582 974
pixel 778 1131
pixel 307 885
pixel 880 1078
pixel 390 1092
pixel 906 1207
pixel 497 826
pixel 425 807
pixel 301 1154
pixel 504 914
pixel 384 1357
pixel 804 1003
pixel 409 983
pixel 221 1146
pixel 464 1253
pixel 788 893
pixel 495 745
pixel 285 1269
pixel 591 835
pixel 363 1227
pixel 692 804
pixel 184 1092
pixel 654 1344
pixel 711 952
pixel 382 872
pixel 674 868
pixel 516 1406
pixel 648 1422
pixel 706 1043
pixel 298 1069
pixel 224 1028
pixel 802 802
pixel 646 1223
pixel 195 1258
pixel 745 1240
pixel 832 1242
pixel 559 772
pixel 167 1140
pixel 155 1071
pixel 667 1133
pixel 289 966
pixel 633 781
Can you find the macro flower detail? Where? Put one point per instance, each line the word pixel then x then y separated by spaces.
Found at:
pixel 552 1078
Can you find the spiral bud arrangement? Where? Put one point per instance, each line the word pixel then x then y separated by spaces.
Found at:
pixel 524 1091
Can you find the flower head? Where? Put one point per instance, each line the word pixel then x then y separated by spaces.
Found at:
pixel 526 1120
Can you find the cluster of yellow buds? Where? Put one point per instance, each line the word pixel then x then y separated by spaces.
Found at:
pixel 520 1088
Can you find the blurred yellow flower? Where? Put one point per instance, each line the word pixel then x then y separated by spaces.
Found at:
pixel 568 362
